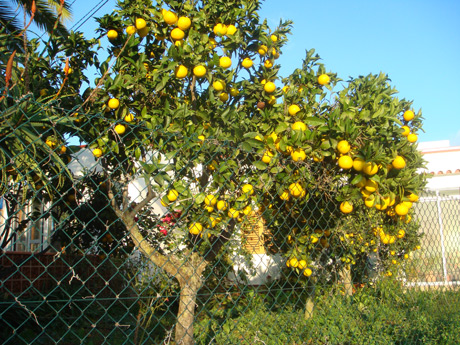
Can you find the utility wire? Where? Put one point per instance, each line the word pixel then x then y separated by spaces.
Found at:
pixel 89 14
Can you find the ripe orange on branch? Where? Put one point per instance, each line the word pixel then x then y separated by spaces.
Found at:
pixel 177 34
pixel 113 103
pixel 269 87
pixel 345 162
pixel 199 71
pixel 112 34
pixel 140 23
pixel 323 79
pixel 184 23
pixel 408 115
pixel 120 129
pixel 343 146
pixel 346 207
pixel 181 71
pixel 293 109
pixel 225 62
pixel 169 17
pixel 247 63
pixel 398 163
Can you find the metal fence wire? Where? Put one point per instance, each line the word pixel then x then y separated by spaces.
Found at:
pixel 95 252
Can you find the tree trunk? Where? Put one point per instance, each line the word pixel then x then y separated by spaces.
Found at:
pixel 310 302
pixel 347 281
pixel 186 313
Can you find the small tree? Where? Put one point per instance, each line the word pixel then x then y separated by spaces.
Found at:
pixel 39 89
pixel 193 105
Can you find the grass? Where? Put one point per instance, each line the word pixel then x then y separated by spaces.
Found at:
pixel 385 314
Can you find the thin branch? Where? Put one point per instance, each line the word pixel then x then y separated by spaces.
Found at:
pixel 149 197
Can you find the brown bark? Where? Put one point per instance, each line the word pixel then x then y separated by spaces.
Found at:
pixel 188 272
pixel 190 285
pixel 347 281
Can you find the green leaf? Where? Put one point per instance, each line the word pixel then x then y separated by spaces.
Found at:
pixel 260 165
pixel 281 127
pixel 200 198
pixel 314 121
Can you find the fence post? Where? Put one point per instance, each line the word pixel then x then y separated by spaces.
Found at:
pixel 441 232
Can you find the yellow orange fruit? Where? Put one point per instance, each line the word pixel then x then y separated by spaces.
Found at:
pixel 131 30
pixel 371 186
pixel 247 210
pixel 113 103
pixel 406 131
pixel 184 23
pixel 299 126
pixel 370 168
pixel 247 63
pixel 172 195
pixel 218 85
pixel 220 29
pixel 269 87
pixel 129 118
pixel 413 197
pixel 97 152
pixel 222 205
pixel 284 195
pixel 398 163
pixel 293 262
pixel 358 164
pixel 295 189
pixel 225 62
pixel 247 189
pixel 262 49
pixel 345 162
pixel 268 64
pixel 298 155
pixel 267 157
pixel 177 34
pixel 346 207
pixel 231 30
pixel 169 17
pixel 120 129
pixel 112 34
pixel 307 272
pixel 199 71
pixel 210 200
pixel 408 115
pixel 234 92
pixel 233 213
pixel 195 228
pixel 343 146
pixel 181 71
pixel 274 38
pixel 223 97
pixel 302 265
pixel 369 201
pixel 293 109
pixel 401 209
pixel 140 23
pixel 324 79
pixel 412 138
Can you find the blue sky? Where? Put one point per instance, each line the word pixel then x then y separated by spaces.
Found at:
pixel 415 42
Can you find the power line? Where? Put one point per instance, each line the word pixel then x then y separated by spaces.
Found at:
pixel 89 14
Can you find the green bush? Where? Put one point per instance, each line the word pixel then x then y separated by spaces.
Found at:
pixel 379 315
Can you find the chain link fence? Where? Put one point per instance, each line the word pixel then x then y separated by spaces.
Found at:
pixel 73 271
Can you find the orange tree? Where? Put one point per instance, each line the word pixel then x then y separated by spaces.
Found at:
pixel 192 104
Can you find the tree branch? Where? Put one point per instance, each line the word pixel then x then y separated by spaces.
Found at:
pixel 220 241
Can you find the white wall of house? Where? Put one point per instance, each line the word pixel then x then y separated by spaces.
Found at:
pixel 443 164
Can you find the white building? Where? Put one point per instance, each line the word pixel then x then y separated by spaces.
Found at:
pixel 443 164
